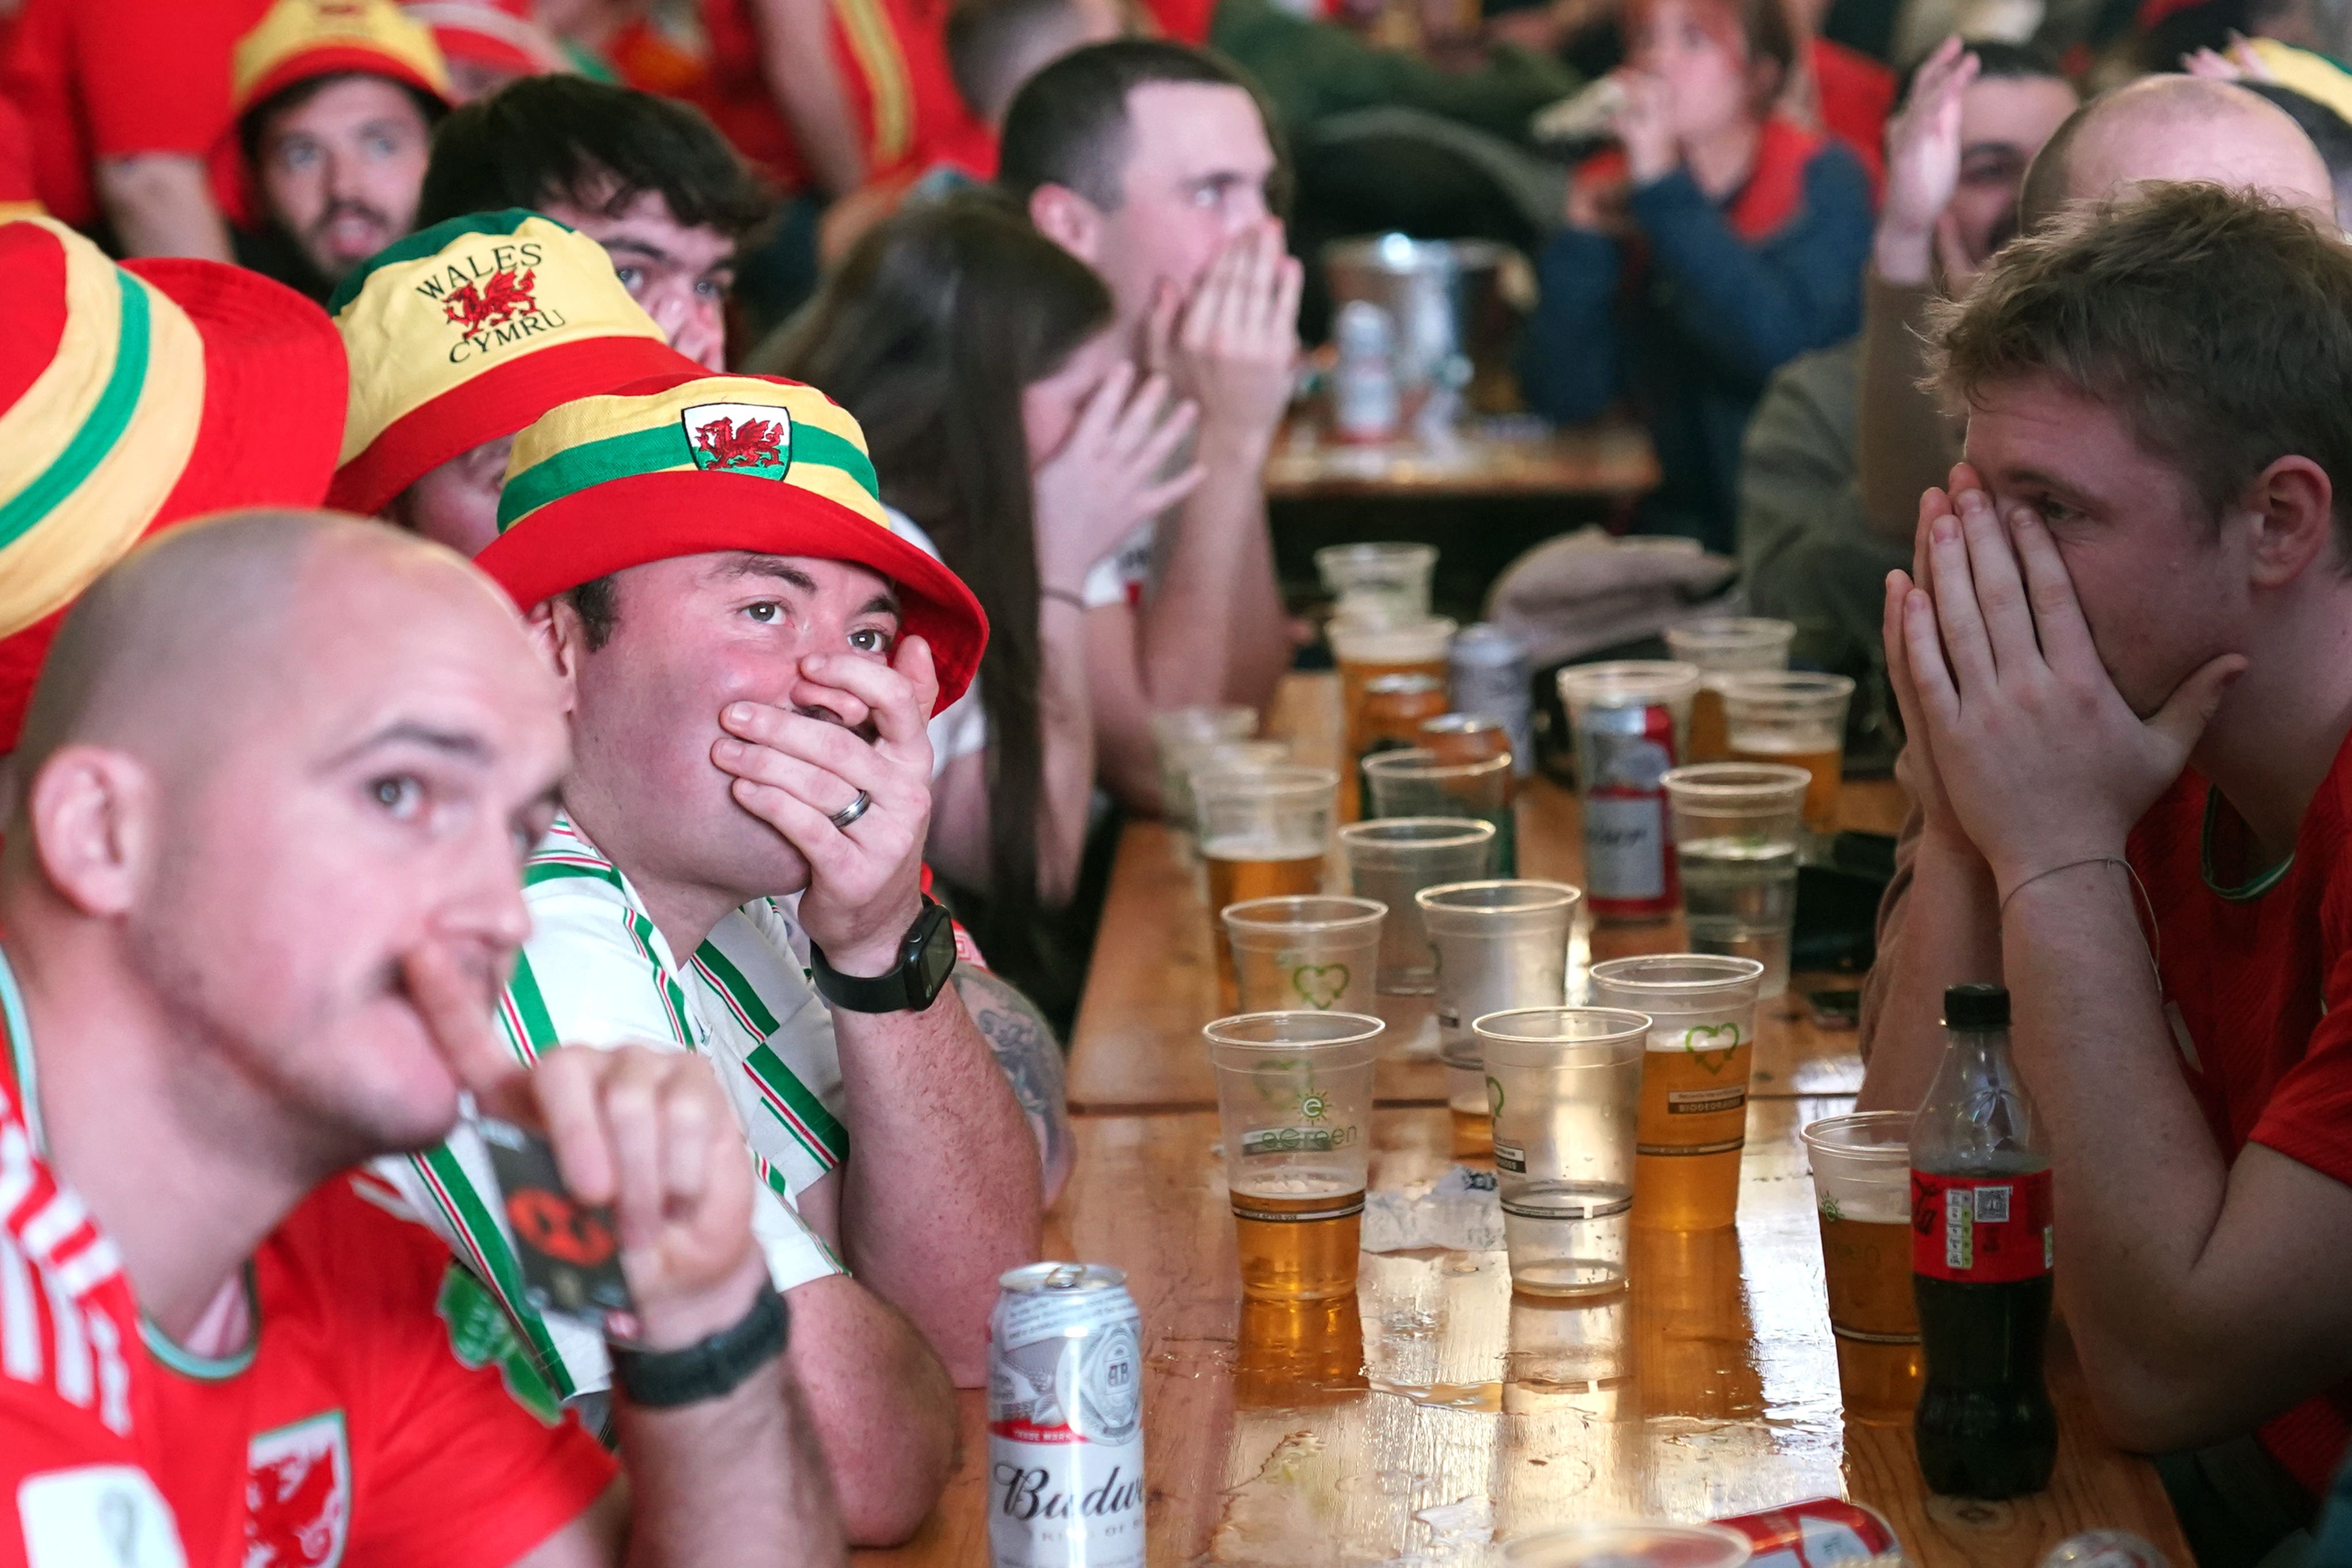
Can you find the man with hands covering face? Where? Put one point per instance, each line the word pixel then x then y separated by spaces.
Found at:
pixel 2124 656
pixel 748 657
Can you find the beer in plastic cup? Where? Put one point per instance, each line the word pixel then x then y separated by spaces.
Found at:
pixel 1295 1104
pixel 1630 1546
pixel 1861 1188
pixel 1263 835
pixel 1500 944
pixel 1737 829
pixel 1564 1085
pixel 1719 646
pixel 1365 650
pixel 1796 720
pixel 1702 1009
pixel 1377 585
pixel 1417 782
pixel 1318 952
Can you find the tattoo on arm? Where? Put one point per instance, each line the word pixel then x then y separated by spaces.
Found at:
pixel 1032 1062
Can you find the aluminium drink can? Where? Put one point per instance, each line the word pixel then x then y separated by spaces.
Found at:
pixel 1623 755
pixel 1064 1419
pixel 1819 1532
pixel 1487 665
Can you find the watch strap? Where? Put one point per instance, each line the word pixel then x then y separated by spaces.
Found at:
pixel 710 1368
pixel 896 990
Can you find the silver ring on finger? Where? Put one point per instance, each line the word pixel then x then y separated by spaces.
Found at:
pixel 853 811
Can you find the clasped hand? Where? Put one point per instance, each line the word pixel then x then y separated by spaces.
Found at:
pixel 2020 741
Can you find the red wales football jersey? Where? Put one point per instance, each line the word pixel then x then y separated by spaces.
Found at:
pixel 383 1414
pixel 76 1428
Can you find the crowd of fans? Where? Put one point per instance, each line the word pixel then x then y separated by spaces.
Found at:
pixel 704 498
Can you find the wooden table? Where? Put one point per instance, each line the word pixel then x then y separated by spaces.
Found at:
pixel 1488 459
pixel 1434 1409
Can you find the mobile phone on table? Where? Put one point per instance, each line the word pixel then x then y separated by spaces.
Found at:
pixel 1834 1009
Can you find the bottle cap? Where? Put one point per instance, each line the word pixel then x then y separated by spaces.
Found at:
pixel 1976 1006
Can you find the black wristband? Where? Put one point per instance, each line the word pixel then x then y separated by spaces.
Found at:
pixel 707 1369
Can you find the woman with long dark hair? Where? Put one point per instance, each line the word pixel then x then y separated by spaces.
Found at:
pixel 1007 426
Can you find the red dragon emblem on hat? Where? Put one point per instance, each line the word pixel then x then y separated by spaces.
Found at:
pixel 754 443
pixel 497 301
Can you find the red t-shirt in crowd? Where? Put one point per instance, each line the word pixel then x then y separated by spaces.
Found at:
pixel 1857 94
pixel 2258 991
pixel 77 1424
pixel 892 59
pixel 110 78
pixel 385 1415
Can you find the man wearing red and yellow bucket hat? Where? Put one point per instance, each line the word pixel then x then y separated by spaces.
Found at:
pixel 746 655
pixel 335 103
pixel 136 396
pixel 460 336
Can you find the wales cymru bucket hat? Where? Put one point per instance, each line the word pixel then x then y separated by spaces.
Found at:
pixel 301 40
pixel 136 396
pixel 693 464
pixel 467 331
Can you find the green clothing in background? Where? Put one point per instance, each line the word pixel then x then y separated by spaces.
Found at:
pixel 1313 70
pixel 1805 552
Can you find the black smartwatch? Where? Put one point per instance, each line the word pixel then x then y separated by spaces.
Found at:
pixel 710 1368
pixel 926 958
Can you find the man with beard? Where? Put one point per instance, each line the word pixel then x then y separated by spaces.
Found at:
pixel 335 106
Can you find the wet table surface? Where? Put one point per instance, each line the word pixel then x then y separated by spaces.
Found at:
pixel 1432 1412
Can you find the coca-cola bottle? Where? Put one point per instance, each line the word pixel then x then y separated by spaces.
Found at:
pixel 1980 1258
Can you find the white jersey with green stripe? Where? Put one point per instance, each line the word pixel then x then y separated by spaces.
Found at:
pixel 597 972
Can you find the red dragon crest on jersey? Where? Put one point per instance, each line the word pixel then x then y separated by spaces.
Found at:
pixel 505 295
pixel 297 1495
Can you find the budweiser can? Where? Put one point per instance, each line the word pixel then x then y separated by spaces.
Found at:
pixel 1820 1532
pixel 1622 753
pixel 1065 1419
pixel 1487 666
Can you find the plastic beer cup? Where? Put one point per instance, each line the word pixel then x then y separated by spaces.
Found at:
pixel 1565 1088
pixel 1721 646
pixel 1694 1123
pixel 1294 1105
pixel 1318 952
pixel 1737 829
pixel 1862 1190
pixel 1797 720
pixel 1264 834
pixel 1500 944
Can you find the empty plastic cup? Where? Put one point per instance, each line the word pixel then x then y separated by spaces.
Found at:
pixel 1500 944
pixel 1737 827
pixel 1564 1085
pixel 1317 952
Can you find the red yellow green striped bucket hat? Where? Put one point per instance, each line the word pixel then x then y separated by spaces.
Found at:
pixel 467 331
pixel 300 40
pixel 136 396
pixel 694 464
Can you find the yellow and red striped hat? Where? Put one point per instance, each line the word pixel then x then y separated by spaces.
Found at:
pixel 136 396
pixel 300 40
pixel 694 464
pixel 469 331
